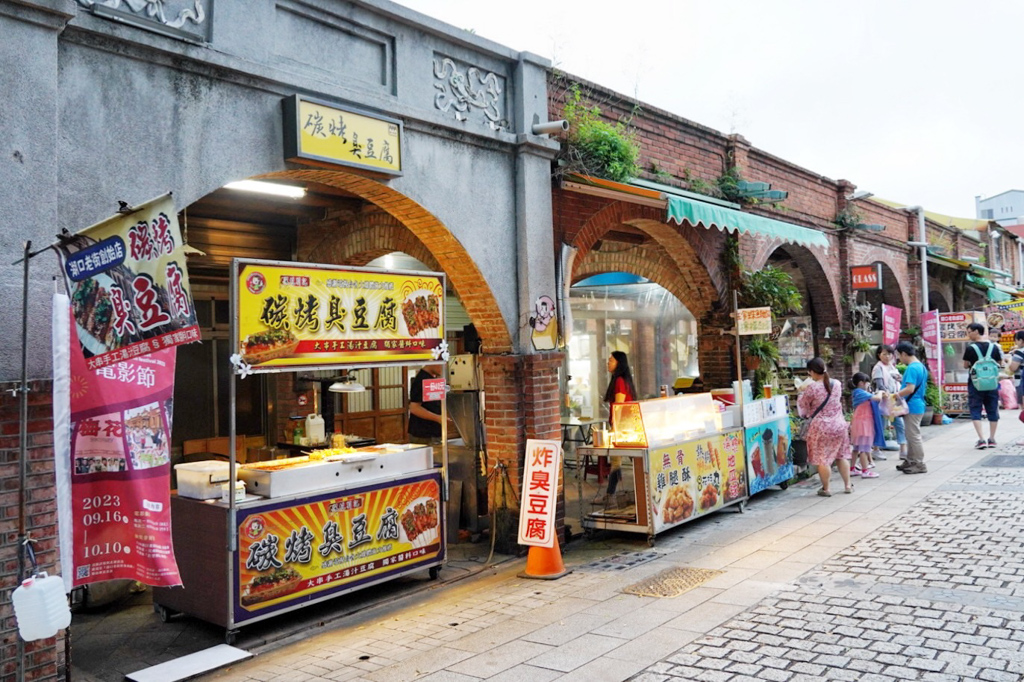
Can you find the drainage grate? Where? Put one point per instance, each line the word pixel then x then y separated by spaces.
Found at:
pixel 1003 461
pixel 622 561
pixel 671 582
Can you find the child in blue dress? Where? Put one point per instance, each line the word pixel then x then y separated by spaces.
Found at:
pixel 866 427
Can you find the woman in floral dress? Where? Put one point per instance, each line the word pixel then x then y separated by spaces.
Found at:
pixel 828 437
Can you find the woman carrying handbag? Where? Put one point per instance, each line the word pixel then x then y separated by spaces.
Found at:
pixel 827 435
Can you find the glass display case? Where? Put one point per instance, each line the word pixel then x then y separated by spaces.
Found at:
pixel 663 421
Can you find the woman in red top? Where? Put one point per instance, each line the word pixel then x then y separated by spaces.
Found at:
pixel 620 390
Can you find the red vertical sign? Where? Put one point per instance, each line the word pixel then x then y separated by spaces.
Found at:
pixel 891 319
pixel 120 427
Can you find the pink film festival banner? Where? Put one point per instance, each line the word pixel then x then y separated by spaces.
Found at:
pixel 129 285
pixel 112 433
pixel 892 317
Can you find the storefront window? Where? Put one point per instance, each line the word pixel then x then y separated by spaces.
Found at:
pixel 623 312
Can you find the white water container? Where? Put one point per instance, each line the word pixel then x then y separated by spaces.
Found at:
pixel 315 429
pixel 41 607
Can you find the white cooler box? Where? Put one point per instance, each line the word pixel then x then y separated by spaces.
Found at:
pixel 202 480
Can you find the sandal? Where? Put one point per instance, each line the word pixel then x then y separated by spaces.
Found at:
pixel 824 493
pixel 848 490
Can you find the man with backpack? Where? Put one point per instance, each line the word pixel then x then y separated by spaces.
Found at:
pixel 984 359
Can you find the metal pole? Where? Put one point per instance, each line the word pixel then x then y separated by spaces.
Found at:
pixel 739 358
pixel 923 238
pixel 232 437
pixel 23 446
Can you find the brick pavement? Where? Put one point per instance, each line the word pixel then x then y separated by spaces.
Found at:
pixel 911 577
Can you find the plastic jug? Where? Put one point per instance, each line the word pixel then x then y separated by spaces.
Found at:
pixel 315 429
pixel 41 607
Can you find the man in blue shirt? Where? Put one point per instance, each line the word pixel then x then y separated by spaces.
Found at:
pixel 915 378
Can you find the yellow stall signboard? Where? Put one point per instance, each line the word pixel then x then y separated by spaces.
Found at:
pixel 304 550
pixel 307 315
pixel 696 477
pixel 321 134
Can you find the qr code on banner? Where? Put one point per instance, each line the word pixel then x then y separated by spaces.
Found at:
pixel 82 572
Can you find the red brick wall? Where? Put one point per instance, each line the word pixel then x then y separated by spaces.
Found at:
pixel 40 521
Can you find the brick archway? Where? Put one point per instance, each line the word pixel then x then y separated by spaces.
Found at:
pixel 899 297
pixel 429 237
pixel 824 290
pixel 677 265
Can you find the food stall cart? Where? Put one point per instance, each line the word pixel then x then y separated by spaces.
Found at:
pixel 681 458
pixel 767 438
pixel 309 528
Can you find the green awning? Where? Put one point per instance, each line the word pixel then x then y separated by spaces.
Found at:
pixel 996 296
pixel 699 213
pixel 949 262
pixel 990 271
pixel 979 281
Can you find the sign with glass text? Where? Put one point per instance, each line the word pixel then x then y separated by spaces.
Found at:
pixel 866 277
pixel 751 321
pixel 129 285
pixel 307 315
pixel 540 493
pixel 696 478
pixel 113 484
pixel 322 134
pixel 304 550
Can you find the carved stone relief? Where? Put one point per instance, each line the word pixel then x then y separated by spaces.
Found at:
pixel 186 15
pixel 469 90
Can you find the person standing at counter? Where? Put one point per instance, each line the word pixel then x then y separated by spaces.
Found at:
pixel 424 417
pixel 620 390
pixel 886 377
pixel 828 439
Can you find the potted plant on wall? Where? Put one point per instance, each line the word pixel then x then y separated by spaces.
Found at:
pixel 760 349
pixel 860 348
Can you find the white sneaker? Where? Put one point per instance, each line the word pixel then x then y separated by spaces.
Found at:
pixel 880 455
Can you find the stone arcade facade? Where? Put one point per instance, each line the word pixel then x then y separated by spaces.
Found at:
pixel 110 104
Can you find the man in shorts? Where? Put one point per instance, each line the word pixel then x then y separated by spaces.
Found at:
pixel 978 400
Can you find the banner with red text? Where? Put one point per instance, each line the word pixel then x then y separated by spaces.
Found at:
pixel 113 446
pixel 540 493
pixel 892 317
pixel 129 285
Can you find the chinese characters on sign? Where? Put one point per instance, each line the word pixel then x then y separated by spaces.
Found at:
pixel 866 277
pixel 754 321
pixel 932 344
pixel 540 493
pixel 300 550
pixel 129 286
pixel 891 319
pixel 320 134
pixel 117 466
pixel 695 478
pixel 433 389
pixel 307 315
pixel 1005 319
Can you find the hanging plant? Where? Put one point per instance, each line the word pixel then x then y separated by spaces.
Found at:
pixel 596 147
pixel 770 287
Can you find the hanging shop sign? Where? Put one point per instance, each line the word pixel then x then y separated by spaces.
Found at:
pixel 321 134
pixel 866 277
pixel 307 549
pixel 696 478
pixel 129 285
pixel 293 316
pixel 953 326
pixel 750 321
pixel 1004 320
pixel 891 319
pixel 113 472
pixel 540 493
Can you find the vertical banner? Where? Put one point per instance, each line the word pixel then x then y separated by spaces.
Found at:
pixel 932 344
pixel 892 317
pixel 129 285
pixel 540 493
pixel 114 440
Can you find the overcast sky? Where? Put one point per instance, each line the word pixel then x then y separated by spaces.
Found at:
pixel 918 101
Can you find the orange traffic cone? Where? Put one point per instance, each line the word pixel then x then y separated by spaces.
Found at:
pixel 545 563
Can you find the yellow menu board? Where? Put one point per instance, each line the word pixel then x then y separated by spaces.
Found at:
pixel 321 134
pixel 308 315
pixel 696 477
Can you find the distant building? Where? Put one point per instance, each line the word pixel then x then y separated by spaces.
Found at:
pixel 1006 208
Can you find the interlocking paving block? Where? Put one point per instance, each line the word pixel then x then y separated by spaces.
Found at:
pixel 671 582
pixel 1003 461
pixel 621 561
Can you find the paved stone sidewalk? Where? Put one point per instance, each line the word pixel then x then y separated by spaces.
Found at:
pixel 854 587
pixel 937 594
